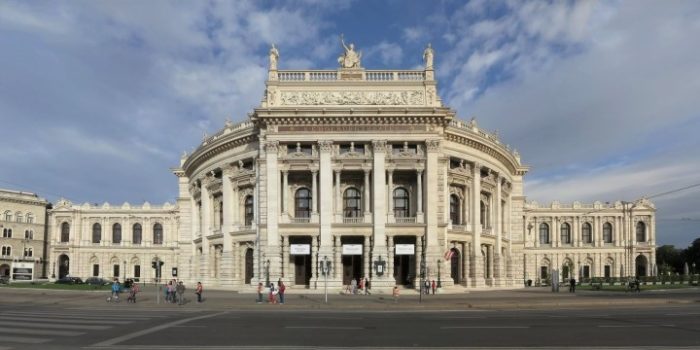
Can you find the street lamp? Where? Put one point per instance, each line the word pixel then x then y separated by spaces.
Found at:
pixel 326 270
pixel 267 272
pixel 422 277
pixel 439 284
pixel 124 274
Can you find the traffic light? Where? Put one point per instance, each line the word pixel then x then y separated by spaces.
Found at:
pixel 153 264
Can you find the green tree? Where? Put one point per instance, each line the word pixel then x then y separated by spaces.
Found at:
pixel 692 255
pixel 670 259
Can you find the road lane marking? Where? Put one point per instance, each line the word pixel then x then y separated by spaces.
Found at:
pixel 85 316
pixel 684 314
pixel 39 332
pixel 52 325
pixel 61 320
pixel 635 325
pixel 330 318
pixel 460 317
pixel 555 316
pixel 485 327
pixel 123 338
pixel 323 327
pixel 24 340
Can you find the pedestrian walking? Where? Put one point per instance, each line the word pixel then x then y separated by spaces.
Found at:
pixel 367 292
pixel 172 289
pixel 272 296
pixel 180 290
pixel 426 287
pixel 395 294
pixel 198 290
pixel 260 293
pixel 362 284
pixel 434 286
pixel 572 285
pixel 116 288
pixel 353 285
pixel 282 289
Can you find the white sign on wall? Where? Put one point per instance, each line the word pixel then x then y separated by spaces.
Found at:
pixel 299 249
pixel 405 249
pixel 352 249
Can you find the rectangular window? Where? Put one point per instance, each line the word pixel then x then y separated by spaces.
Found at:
pixel 137 272
pixel 116 270
pixel 543 272
pixel 586 271
pixel 95 270
pixel 607 271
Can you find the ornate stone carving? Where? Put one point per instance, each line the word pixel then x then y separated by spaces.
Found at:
pixel 430 96
pixel 428 57
pixel 379 146
pixel 272 96
pixel 271 146
pixel 432 145
pixel 274 57
pixel 325 146
pixel 393 98
pixel 351 58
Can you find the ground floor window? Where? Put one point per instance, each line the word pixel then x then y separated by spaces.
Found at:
pixel 116 270
pixel 95 270
pixel 137 272
pixel 607 270
pixel 543 272
pixel 586 271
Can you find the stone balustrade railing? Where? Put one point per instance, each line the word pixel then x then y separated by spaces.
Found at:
pixel 406 220
pixel 333 75
pixel 472 128
pixel 299 220
pixel 355 220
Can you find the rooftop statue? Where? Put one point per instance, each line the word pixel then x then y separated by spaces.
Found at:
pixel 274 56
pixel 428 55
pixel 351 58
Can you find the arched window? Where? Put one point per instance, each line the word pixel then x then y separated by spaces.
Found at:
pixel 157 234
pixel 8 216
pixel 352 199
pixel 482 214
pixel 401 203
pixel 454 210
pixel 565 234
pixel 30 218
pixel 117 233
pixel 136 234
pixel 607 233
pixel 19 217
pixel 302 203
pixel 641 232
pixel 544 233
pixel 65 232
pixel 7 251
pixel 96 233
pixel 586 235
pixel 249 213
pixel 221 214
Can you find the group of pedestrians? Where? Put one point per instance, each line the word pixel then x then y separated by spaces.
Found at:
pixel 129 286
pixel 275 294
pixel 174 291
pixel 428 286
pixel 359 286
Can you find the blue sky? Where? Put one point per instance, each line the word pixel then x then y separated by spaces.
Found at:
pixel 98 99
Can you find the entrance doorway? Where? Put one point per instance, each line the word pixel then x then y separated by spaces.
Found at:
pixel 352 260
pixel 404 263
pixel 300 256
pixel 5 270
pixel 63 266
pixel 456 266
pixel 641 264
pixel 248 265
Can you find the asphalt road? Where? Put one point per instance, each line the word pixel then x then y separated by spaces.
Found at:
pixel 122 327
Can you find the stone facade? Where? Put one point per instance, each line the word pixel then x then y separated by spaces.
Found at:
pixel 23 226
pixel 365 171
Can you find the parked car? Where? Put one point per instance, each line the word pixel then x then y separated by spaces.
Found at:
pixel 70 280
pixel 4 279
pixel 97 281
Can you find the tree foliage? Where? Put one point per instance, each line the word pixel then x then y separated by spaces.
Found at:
pixel 671 259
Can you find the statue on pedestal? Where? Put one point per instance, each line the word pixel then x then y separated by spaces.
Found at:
pixel 428 55
pixel 274 56
pixel 351 58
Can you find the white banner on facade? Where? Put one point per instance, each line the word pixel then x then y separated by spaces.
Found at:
pixel 352 249
pixel 299 249
pixel 405 249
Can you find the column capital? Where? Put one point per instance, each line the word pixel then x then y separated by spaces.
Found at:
pixel 313 169
pixel 476 168
pixel 325 145
pixel 390 168
pixel 419 170
pixel 433 145
pixel 367 169
pixel 272 146
pixel 379 146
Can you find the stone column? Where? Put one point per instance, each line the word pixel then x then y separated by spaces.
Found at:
pixel 326 197
pixel 465 209
pixel 366 196
pixel 314 193
pixel 465 263
pixel 498 227
pixel 555 232
pixel 226 254
pixel 378 207
pixel 236 263
pixel 337 262
pixel 314 262
pixel 285 258
pixel 338 198
pixel 273 213
pixel 419 195
pixel 476 270
pixel 206 228
pixel 285 192
pixel 365 256
pixel 390 195
pixel 433 251
pixel 390 259
pixel 490 257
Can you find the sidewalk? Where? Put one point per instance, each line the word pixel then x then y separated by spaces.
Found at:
pixel 528 298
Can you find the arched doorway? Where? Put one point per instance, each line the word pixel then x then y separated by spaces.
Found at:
pixel 248 265
pixel 641 266
pixel 5 270
pixel 63 266
pixel 455 266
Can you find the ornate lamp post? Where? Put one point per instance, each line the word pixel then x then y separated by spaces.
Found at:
pixel 422 277
pixel 439 283
pixel 267 272
pixel 325 270
pixel 379 266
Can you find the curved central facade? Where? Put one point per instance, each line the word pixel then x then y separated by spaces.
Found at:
pixel 364 169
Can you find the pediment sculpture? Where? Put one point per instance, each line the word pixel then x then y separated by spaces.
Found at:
pixel 351 58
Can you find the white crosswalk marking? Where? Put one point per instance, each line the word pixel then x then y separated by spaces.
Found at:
pixel 19 328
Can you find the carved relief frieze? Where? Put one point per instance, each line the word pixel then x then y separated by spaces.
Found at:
pixel 392 98
pixel 325 146
pixel 272 146
pixel 432 145
pixel 379 145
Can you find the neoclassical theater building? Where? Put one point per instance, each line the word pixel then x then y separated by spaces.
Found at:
pixel 365 173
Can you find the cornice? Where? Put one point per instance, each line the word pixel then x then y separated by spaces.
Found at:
pixel 506 159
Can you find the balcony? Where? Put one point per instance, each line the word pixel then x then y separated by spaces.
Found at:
pixel 299 220
pixel 353 220
pixel 487 231
pixel 459 227
pixel 405 220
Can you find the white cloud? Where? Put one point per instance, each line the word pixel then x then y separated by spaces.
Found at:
pixel 389 53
